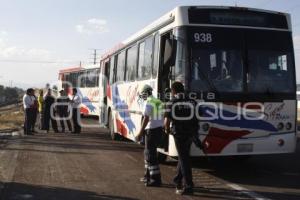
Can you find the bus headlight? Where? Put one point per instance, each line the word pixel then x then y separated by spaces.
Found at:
pixel 206 145
pixel 288 126
pixel 205 127
pixel 280 126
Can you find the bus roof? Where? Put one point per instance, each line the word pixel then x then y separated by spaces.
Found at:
pixel 70 69
pixel 178 16
pixel 78 68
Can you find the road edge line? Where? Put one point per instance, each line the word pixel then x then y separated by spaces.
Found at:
pixel 247 192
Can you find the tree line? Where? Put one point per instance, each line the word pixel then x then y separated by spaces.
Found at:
pixel 9 95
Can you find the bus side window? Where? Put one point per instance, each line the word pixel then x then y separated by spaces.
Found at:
pixel 94 78
pixel 81 80
pixel 97 77
pixel 91 78
pixel 112 70
pixel 74 79
pixel 145 59
pixel 107 66
pixel 88 81
pixel 71 79
pixel 67 80
pixel 155 56
pixel 120 72
pixel 131 63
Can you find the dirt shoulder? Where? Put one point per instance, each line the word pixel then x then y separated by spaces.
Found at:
pixel 11 118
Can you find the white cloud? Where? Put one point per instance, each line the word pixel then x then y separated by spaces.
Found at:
pixel 3 38
pixel 30 66
pixel 13 52
pixel 297 42
pixel 92 26
pixel 3 33
pixel 20 53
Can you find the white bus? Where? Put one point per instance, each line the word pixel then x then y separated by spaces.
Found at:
pixel 298 101
pixel 86 80
pixel 240 59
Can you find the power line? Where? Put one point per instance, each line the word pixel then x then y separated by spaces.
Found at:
pixel 37 62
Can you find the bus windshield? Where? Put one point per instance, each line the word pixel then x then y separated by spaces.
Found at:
pixel 216 60
pixel 221 70
pixel 241 61
pixel 270 60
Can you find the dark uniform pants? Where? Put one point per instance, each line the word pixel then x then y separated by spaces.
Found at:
pixel 47 119
pixel 152 139
pixel 64 116
pixel 34 116
pixel 184 171
pixel 28 121
pixel 75 118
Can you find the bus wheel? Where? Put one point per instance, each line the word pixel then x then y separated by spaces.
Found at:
pixel 113 134
pixel 162 158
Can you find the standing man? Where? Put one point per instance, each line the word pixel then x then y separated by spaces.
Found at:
pixel 180 111
pixel 28 104
pixel 76 102
pixel 63 110
pixel 49 100
pixel 152 126
pixel 34 111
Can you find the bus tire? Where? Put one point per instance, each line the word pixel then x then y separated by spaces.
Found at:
pixel 113 134
pixel 162 158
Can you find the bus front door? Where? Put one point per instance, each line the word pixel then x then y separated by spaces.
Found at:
pixel 166 65
pixel 103 91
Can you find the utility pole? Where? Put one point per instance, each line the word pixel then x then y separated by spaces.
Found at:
pixel 95 55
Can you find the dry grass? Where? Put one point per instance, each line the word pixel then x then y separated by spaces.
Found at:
pixel 12 119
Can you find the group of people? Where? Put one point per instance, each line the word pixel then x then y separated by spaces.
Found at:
pixel 180 121
pixel 47 108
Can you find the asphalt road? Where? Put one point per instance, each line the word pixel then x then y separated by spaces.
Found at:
pixel 91 166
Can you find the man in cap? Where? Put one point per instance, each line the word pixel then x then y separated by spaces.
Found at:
pixel 152 128
pixel 49 112
pixel 180 117
pixel 76 102
pixel 28 104
pixel 63 109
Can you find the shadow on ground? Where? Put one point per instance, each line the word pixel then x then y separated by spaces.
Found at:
pixel 280 172
pixel 84 141
pixel 18 191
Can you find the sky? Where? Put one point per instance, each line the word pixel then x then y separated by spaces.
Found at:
pixel 37 38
